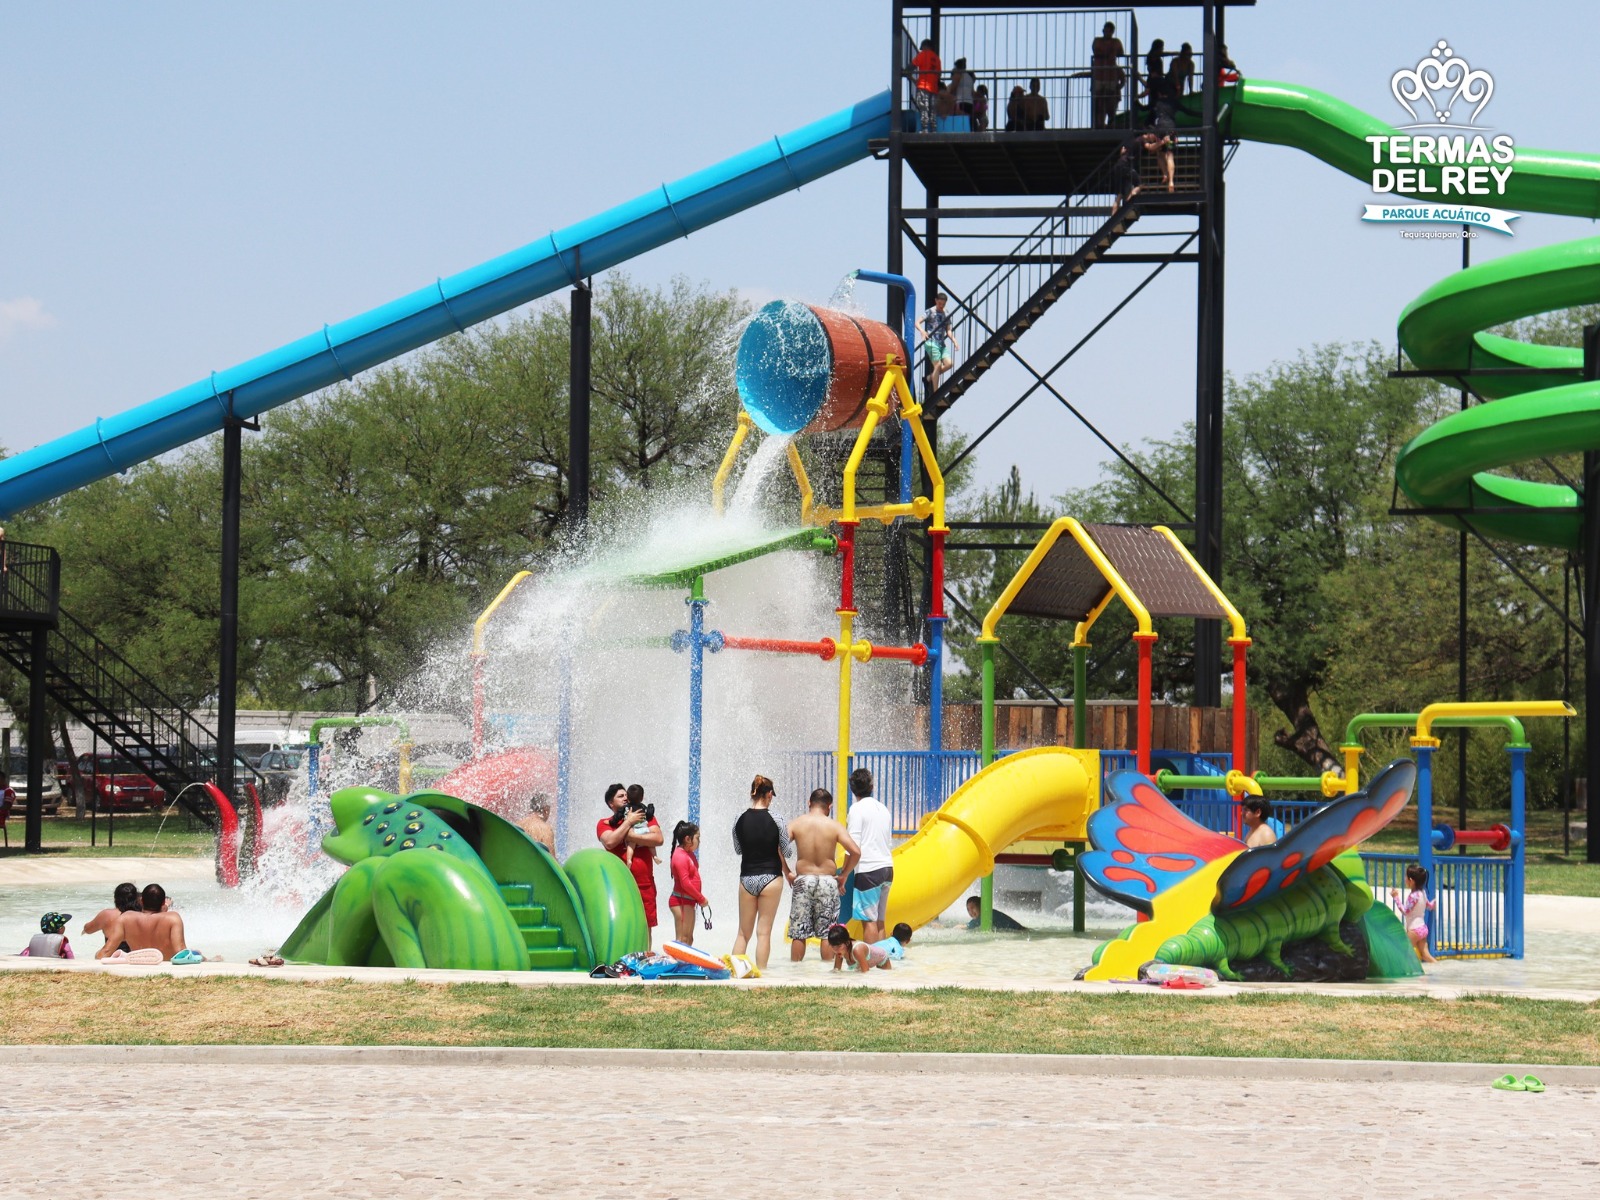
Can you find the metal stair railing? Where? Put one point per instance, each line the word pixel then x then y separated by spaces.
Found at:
pixel 1051 256
pixel 108 694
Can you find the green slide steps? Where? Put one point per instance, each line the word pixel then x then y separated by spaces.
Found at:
pixel 546 949
pixel 1450 465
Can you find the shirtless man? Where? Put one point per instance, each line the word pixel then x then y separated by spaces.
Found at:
pixel 124 899
pixel 153 924
pixel 818 879
pixel 537 823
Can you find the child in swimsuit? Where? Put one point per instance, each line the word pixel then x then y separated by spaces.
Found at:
pixel 1414 911
pixel 895 944
pixel 51 940
pixel 686 889
pixel 865 955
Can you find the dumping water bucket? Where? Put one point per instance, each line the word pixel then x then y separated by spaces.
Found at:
pixel 803 369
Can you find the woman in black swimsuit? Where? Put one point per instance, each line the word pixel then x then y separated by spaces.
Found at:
pixel 762 846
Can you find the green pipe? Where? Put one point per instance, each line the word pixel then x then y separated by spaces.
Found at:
pixel 825 542
pixel 1289 783
pixel 1517 735
pixel 1080 703
pixel 322 723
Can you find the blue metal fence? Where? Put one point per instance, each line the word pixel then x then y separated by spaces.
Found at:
pixel 1470 917
pixel 901 778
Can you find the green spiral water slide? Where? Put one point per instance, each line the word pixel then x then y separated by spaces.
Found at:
pixel 1448 465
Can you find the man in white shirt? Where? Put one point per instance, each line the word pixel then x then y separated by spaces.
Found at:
pixel 870 827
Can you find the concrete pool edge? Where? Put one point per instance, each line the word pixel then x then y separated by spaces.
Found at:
pixel 1308 1070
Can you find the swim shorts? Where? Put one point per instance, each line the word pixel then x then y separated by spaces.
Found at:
pixel 871 899
pixel 813 906
pixel 937 351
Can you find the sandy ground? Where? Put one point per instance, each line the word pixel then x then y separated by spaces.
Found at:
pixel 212 1131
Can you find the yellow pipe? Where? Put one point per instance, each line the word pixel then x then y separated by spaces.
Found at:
pixel 1080 634
pixel 405 767
pixel 1238 784
pixel 483 617
pixel 841 790
pixel 911 411
pixel 921 508
pixel 804 482
pixel 729 457
pixel 1234 619
pixel 877 407
pixel 1486 708
pixel 1332 785
pixel 1352 769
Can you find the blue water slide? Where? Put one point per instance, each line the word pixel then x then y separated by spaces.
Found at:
pixel 338 352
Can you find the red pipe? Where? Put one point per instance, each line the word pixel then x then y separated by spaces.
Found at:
pixel 916 655
pixel 259 843
pixel 1240 645
pixel 227 838
pixel 1146 642
pixel 1496 837
pixel 824 649
pixel 847 560
pixel 477 704
pixel 937 572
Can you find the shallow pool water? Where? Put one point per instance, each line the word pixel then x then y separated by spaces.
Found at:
pixel 235 924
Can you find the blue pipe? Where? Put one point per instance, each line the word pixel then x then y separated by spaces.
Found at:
pixel 446 306
pixel 908 335
pixel 1425 830
pixel 1516 880
pixel 697 672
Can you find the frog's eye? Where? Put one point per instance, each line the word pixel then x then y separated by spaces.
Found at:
pixel 445 835
pixel 389 841
pixel 409 844
pixel 436 847
pixel 414 815
pixel 392 808
pixel 369 818
pixel 382 827
pixel 414 827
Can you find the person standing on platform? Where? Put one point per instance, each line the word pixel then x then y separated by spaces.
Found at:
pixel 925 68
pixel 1106 76
pixel 872 829
pixel 1035 109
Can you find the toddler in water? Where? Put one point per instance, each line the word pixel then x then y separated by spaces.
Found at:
pixel 51 940
pixel 1414 911
pixel 686 889
pixel 866 955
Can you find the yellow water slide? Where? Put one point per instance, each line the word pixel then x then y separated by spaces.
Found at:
pixel 1045 794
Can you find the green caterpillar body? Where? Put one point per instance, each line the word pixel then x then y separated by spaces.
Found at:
pixel 417 887
pixel 1311 908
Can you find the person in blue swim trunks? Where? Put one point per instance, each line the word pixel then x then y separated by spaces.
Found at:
pixel 872 829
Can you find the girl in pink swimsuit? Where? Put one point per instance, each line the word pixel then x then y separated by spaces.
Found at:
pixel 1414 911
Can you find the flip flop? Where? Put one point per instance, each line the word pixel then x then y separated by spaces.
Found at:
pixel 185 958
pixel 1509 1083
pixel 1532 1083
pixel 1179 984
pixel 267 960
pixel 148 957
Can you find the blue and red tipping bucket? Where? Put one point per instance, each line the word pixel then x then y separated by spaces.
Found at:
pixel 804 369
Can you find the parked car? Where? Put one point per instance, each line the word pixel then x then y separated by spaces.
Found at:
pixel 279 771
pixel 16 767
pixel 116 784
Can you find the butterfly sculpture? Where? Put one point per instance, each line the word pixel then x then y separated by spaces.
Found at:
pixel 1265 897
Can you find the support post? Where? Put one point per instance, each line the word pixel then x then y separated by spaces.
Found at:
pixel 1461 608
pixel 228 660
pixel 1080 695
pixel 578 412
pixel 1424 751
pixel 986 886
pixel 697 668
pixel 1591 611
pixel 1516 873
pixel 38 739
pixel 1208 368
pixel 1146 643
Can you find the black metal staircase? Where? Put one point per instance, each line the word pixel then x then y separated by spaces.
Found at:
pixel 1007 303
pixel 105 692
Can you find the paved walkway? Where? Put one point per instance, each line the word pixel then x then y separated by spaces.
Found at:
pixel 236 1130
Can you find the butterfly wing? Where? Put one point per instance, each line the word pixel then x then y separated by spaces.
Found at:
pixel 1330 831
pixel 1143 844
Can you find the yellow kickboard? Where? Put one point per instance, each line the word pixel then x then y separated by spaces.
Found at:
pixel 1174 911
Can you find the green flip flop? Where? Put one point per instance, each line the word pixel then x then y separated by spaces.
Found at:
pixel 1510 1083
pixel 1532 1083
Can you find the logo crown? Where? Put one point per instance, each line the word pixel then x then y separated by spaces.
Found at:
pixel 1429 91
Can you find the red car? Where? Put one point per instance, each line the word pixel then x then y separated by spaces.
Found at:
pixel 117 785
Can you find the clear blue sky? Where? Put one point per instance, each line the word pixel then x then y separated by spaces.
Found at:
pixel 187 185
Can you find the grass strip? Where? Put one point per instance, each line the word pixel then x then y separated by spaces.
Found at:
pixel 68 1008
